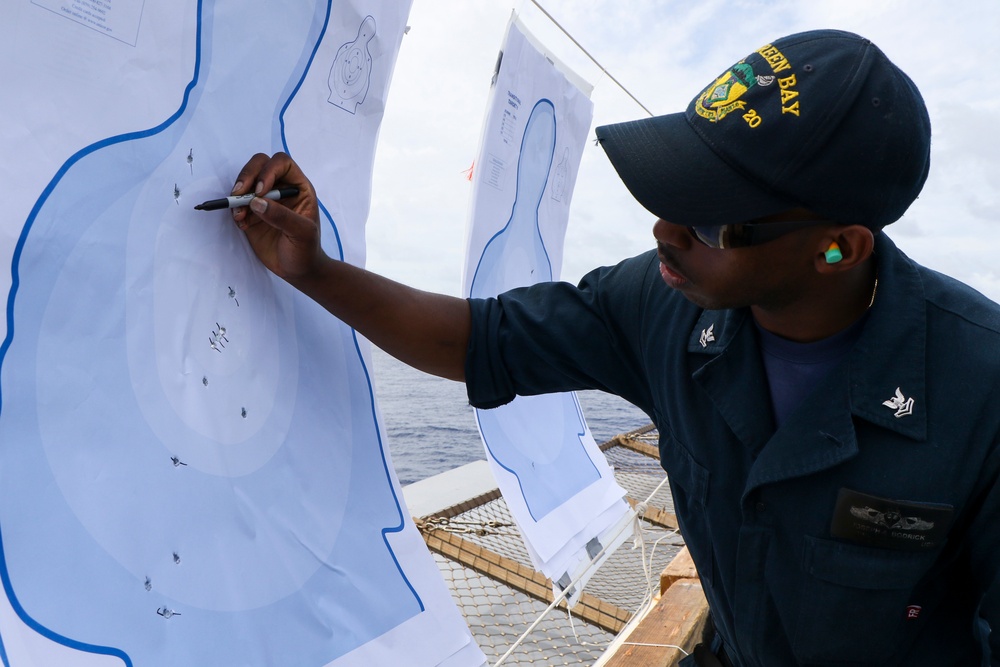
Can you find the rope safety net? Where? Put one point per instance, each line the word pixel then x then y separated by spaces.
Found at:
pixel 506 602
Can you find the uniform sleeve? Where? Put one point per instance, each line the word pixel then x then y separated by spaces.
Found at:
pixel 554 337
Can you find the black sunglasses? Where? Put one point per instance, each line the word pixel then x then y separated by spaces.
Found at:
pixel 744 234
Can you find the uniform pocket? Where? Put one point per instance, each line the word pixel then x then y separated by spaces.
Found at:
pixel 689 487
pixel 852 604
pixel 684 472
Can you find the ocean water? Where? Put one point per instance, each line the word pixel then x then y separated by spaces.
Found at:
pixel 431 427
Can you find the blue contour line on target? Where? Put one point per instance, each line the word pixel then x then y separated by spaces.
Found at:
pixel 398 528
pixel 571 470
pixel 8 341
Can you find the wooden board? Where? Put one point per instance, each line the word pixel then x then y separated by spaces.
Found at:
pixel 675 623
pixel 680 567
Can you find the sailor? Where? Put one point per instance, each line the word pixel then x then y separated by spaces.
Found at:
pixel 827 408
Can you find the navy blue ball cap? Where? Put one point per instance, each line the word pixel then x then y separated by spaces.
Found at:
pixel 819 120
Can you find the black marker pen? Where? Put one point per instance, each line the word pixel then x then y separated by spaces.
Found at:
pixel 244 200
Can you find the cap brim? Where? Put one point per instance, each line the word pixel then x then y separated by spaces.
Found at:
pixel 676 176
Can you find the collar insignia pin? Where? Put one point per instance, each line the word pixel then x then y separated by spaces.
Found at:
pixel 707 336
pixel 902 405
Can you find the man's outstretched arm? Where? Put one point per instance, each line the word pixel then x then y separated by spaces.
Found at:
pixel 425 330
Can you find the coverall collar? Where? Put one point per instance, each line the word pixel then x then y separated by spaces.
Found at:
pixel 882 380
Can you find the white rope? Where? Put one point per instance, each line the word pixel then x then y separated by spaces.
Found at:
pixel 647 564
pixel 559 598
pixel 592 58
pixel 656 646
pixel 562 595
pixel 647 568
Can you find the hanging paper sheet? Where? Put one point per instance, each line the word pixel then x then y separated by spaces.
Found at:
pixel 557 483
pixel 191 467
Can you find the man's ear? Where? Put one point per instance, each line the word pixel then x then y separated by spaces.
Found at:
pixel 844 248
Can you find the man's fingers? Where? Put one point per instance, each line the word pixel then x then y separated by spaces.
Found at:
pixel 281 171
pixel 284 219
pixel 262 174
pixel 249 175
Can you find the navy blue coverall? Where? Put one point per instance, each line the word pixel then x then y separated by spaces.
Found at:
pixel 863 531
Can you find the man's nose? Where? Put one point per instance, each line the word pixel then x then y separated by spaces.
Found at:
pixel 670 234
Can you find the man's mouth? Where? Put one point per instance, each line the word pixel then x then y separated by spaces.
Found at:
pixel 671 276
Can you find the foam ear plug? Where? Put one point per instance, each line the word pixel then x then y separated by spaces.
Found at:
pixel 833 254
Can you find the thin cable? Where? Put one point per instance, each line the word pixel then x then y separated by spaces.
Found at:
pixel 592 58
pixel 562 595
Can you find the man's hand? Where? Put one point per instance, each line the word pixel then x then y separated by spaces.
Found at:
pixel 285 235
pixel 427 331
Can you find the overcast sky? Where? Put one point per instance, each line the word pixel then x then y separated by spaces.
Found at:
pixel 665 52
